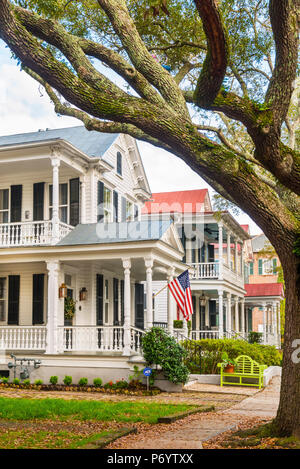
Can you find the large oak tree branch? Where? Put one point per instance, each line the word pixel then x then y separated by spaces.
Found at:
pixel 141 58
pixel 215 64
pixel 284 15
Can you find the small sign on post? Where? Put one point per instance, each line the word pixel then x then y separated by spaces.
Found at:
pixel 147 372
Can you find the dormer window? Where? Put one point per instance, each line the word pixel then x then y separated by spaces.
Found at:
pixel 119 163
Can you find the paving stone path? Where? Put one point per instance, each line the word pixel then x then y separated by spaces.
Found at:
pixel 192 431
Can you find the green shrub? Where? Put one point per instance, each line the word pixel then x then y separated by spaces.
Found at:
pixel 26 382
pixel 97 382
pixel 67 380
pixel 16 381
pixel 53 380
pixel 83 382
pixel 38 382
pixel 121 384
pixel 4 380
pixel 159 348
pixel 212 350
pixel 255 337
pixel 178 324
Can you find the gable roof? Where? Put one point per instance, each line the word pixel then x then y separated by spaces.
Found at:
pixel 107 233
pixel 190 201
pixel 259 242
pixel 264 289
pixel 92 143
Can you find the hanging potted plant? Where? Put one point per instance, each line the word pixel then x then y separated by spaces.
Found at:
pixel 69 308
pixel 228 363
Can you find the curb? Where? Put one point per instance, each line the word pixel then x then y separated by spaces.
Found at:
pixel 106 440
pixel 173 418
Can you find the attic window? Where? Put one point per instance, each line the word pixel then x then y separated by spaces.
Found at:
pixel 119 163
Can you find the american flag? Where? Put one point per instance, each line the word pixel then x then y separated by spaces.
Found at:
pixel 181 290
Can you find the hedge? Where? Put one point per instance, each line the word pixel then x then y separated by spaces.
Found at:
pixel 212 349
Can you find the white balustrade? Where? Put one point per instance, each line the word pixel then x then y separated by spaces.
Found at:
pixel 136 336
pixel 22 337
pixel 199 335
pixel 90 338
pixel 30 233
pixel 204 270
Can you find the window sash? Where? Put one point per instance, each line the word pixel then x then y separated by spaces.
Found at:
pixel 3 296
pixel 129 211
pixel 107 205
pixel 62 202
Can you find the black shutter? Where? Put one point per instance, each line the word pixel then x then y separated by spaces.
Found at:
pixel 122 302
pixel 211 253
pixel 212 313
pixel 116 301
pixel 136 213
pixel 194 314
pixel 139 305
pixel 100 202
pixel 13 299
pixel 15 204
pixel 116 206
pixel 123 214
pixel 38 201
pixel 74 201
pixel 183 241
pixel 99 300
pixel 119 163
pixel 38 298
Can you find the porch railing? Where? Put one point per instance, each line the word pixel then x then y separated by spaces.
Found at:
pixel 204 270
pixel 22 338
pixel 198 335
pixel 31 233
pixel 97 339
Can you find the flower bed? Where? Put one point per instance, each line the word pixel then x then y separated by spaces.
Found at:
pixel 130 391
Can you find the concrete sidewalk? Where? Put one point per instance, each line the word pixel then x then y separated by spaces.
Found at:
pixel 192 431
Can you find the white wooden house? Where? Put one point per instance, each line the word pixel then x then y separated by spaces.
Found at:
pixel 214 250
pixel 70 227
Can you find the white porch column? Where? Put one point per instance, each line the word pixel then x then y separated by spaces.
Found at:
pixel 278 324
pixel 264 323
pixel 55 199
pixel 127 306
pixel 228 248
pixel 274 320
pixel 242 260
pixel 221 322
pixel 228 310
pixel 236 314
pixel 243 329
pixel 236 256
pixel 171 303
pixel 149 290
pixel 53 307
pixel 220 251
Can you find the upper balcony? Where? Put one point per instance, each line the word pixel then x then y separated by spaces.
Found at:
pixel 215 271
pixel 34 233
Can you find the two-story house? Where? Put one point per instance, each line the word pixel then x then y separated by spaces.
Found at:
pixel 74 252
pixel 264 291
pixel 214 251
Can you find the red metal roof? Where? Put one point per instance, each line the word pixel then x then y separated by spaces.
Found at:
pixel 246 228
pixel 264 289
pixel 179 201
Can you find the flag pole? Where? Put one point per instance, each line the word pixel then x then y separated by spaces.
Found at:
pixel 163 288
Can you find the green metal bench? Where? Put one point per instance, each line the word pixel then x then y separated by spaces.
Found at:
pixel 245 368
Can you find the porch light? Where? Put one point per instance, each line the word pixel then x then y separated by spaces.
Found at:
pixel 62 292
pixel 83 294
pixel 202 300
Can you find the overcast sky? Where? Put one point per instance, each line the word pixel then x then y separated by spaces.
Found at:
pixel 24 107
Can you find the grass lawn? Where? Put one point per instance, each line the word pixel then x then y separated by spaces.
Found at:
pixel 133 411
pixel 58 423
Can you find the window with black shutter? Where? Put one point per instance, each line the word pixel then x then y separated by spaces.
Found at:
pixel 116 301
pixel 38 298
pixel 194 313
pixel 211 253
pixel 212 313
pixel 119 163
pixel 139 305
pixel 38 201
pixel 74 202
pixel 100 202
pixel 136 212
pixel 116 206
pixel 15 203
pixel 13 299
pixel 99 300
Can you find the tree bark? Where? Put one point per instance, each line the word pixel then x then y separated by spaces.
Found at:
pixel 287 421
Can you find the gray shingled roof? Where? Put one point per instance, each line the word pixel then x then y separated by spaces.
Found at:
pixel 102 233
pixel 91 143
